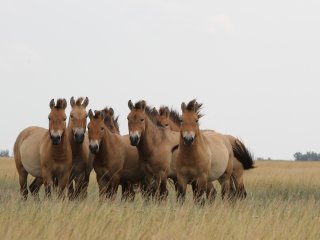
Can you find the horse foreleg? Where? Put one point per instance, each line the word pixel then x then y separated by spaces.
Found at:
pixel 112 188
pixel 211 192
pixel 47 181
pixel 200 188
pixel 62 183
pixel 181 188
pixel 127 192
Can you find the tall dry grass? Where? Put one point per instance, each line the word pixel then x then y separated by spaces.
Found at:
pixel 283 203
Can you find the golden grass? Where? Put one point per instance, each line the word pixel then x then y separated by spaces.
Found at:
pixel 283 203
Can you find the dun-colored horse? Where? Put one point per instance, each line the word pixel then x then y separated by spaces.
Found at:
pixel 27 158
pixel 155 147
pixel 243 158
pixel 202 157
pixel 55 150
pixel 81 157
pixel 116 161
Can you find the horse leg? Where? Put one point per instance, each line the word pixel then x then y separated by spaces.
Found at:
pixel 102 183
pixel 23 178
pixel 71 191
pixel 127 192
pixel 47 181
pixel 163 186
pixel 62 183
pixel 181 188
pixel 225 182
pixel 211 192
pixel 84 183
pixel 113 187
pixel 239 185
pixel 200 189
pixel 145 189
pixel 35 187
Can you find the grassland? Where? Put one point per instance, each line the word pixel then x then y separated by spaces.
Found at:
pixel 283 203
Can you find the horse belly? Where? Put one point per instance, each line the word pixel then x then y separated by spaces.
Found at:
pixel 30 158
pixel 218 168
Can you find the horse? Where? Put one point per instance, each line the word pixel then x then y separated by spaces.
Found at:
pixel 116 162
pixel 243 158
pixel 202 157
pixel 155 147
pixel 81 157
pixel 55 150
pixel 27 159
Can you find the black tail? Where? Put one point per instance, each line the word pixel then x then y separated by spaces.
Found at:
pixel 243 154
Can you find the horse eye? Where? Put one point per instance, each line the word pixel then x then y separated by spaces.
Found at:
pixel 64 118
pixel 71 116
pixel 102 128
pixel 141 119
pixel 197 120
pixel 166 124
pixel 181 120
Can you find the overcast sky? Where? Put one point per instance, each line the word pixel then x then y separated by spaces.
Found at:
pixel 254 65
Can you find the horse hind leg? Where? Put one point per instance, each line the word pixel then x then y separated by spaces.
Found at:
pixel 35 187
pixel 226 189
pixel 239 185
pixel 23 176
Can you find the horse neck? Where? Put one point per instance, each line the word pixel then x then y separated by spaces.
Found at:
pixel 108 143
pixel 76 147
pixel 150 137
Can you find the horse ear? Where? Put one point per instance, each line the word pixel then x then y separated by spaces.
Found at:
pixel 72 101
pixel 85 102
pixel 183 107
pixel 52 104
pixel 111 112
pixel 167 112
pixel 102 114
pixel 143 105
pixel 90 114
pixel 64 104
pixel 155 110
pixel 130 105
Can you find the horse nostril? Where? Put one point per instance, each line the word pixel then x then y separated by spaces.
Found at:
pixel 79 137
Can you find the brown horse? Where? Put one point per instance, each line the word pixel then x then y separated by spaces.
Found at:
pixel 116 161
pixel 55 150
pixel 81 157
pixel 155 147
pixel 202 157
pixel 27 158
pixel 243 158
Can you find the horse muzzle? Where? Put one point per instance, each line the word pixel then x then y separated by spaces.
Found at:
pixel 56 139
pixel 134 140
pixel 188 138
pixel 79 135
pixel 94 148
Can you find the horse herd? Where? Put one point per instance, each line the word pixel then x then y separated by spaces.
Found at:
pixel 161 145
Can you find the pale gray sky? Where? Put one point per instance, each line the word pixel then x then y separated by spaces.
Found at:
pixel 254 65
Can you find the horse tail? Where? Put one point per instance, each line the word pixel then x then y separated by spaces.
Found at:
pixel 243 154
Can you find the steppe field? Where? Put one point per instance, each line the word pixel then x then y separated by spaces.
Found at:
pixel 283 203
